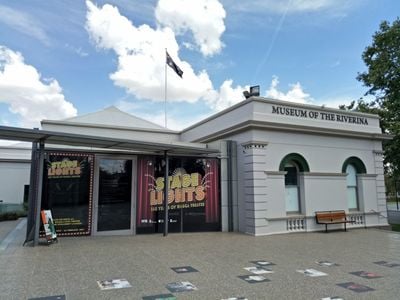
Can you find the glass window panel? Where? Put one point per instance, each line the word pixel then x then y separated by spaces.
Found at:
pixel 115 184
pixel 352 197
pixel 291 176
pixel 292 198
pixel 194 196
pixel 351 175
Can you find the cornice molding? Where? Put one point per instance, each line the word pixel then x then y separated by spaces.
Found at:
pixel 367 175
pixel 275 173
pixel 281 103
pixel 251 124
pixel 378 152
pixel 254 145
pixel 323 174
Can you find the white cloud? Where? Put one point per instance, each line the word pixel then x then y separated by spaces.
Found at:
pixel 173 123
pixel 295 93
pixel 204 18
pixel 226 96
pixel 293 6
pixel 141 57
pixel 27 94
pixel 77 50
pixel 176 120
pixel 335 102
pixel 141 60
pixel 24 23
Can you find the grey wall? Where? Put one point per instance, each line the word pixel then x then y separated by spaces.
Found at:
pixel 261 190
pixel 14 175
pixel 14 172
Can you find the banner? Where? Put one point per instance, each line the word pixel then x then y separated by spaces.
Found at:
pixel 193 194
pixel 67 191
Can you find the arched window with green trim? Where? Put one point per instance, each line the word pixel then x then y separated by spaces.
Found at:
pixel 297 159
pixel 357 163
pixel 292 164
pixel 353 166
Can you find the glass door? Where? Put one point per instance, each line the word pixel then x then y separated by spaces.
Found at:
pixel 114 196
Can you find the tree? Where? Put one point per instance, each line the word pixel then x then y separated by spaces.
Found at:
pixel 382 78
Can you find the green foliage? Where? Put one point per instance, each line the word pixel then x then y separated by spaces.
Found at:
pixel 8 216
pixel 390 188
pixel 14 215
pixel 382 78
pixel 395 227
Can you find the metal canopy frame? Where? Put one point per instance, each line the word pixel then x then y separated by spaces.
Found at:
pixel 39 138
pixel 72 139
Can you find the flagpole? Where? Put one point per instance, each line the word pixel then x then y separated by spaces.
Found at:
pixel 178 71
pixel 165 90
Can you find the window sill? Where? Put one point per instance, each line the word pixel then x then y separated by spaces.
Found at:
pixel 295 215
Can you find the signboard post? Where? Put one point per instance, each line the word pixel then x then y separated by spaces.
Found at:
pixel 396 193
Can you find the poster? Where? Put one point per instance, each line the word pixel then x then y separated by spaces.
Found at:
pixel 185 269
pixel 193 194
pixel 258 270
pixel 312 272
pixel 326 263
pixel 181 286
pixel 67 191
pixel 113 284
pixel 387 264
pixel 254 278
pixel 58 297
pixel 48 224
pixel 355 287
pixel 367 275
pixel 160 297
pixel 262 263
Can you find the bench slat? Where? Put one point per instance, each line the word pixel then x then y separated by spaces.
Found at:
pixel 331 217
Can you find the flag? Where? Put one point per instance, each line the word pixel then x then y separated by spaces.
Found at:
pixel 174 66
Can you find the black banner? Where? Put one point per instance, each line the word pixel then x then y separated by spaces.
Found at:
pixel 67 192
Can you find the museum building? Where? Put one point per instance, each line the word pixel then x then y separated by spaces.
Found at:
pixel 260 167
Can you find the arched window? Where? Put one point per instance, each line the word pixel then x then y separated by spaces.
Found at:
pixel 292 164
pixel 353 166
pixel 292 188
pixel 351 179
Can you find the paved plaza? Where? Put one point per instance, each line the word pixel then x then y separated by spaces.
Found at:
pixel 366 261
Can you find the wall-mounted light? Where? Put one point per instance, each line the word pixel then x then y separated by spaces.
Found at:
pixel 254 91
pixel 246 94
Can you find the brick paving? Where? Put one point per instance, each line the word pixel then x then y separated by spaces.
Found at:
pixel 73 266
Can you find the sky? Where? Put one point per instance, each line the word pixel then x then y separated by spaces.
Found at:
pixel 60 59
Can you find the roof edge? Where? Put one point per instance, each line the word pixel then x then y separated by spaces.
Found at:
pixel 277 102
pixel 91 125
pixel 291 128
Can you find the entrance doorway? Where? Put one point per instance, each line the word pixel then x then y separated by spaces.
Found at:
pixel 114 195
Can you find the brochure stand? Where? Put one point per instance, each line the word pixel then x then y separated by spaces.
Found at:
pixel 49 229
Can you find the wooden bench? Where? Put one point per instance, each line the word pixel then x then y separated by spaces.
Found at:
pixel 331 217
